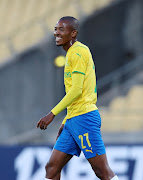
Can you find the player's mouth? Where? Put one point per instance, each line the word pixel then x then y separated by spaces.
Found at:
pixel 57 39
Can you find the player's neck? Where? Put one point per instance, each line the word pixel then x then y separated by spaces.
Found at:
pixel 69 44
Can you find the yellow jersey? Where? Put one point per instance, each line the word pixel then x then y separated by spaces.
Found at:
pixel 79 60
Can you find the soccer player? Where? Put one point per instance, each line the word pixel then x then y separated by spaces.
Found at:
pixel 80 130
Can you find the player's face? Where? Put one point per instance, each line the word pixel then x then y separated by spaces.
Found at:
pixel 63 33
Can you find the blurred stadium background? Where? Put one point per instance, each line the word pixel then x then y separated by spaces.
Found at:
pixel 31 76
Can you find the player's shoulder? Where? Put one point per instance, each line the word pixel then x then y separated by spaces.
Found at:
pixel 78 46
pixel 80 49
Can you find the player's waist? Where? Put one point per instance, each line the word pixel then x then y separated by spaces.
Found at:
pixel 79 109
pixel 82 104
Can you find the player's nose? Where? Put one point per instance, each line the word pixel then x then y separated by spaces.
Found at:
pixel 56 33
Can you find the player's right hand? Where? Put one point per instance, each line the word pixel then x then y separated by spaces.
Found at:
pixel 45 121
pixel 60 130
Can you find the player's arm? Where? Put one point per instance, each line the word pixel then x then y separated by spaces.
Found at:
pixel 79 64
pixel 75 92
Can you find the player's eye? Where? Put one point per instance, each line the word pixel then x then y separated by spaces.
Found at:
pixel 61 29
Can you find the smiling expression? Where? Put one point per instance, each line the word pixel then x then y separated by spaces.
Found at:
pixel 64 34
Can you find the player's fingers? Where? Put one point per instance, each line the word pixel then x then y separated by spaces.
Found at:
pixel 45 126
pixel 60 131
pixel 38 124
pixel 42 125
pixel 58 134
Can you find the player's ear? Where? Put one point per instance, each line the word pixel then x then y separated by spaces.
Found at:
pixel 74 34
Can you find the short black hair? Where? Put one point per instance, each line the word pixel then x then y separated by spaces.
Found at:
pixel 73 21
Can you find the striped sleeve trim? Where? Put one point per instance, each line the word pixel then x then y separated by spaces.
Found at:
pixel 78 72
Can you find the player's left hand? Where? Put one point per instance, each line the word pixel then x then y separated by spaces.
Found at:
pixel 60 130
pixel 45 121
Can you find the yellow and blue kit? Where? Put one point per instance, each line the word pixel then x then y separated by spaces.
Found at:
pixel 82 133
pixel 82 123
pixel 80 82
